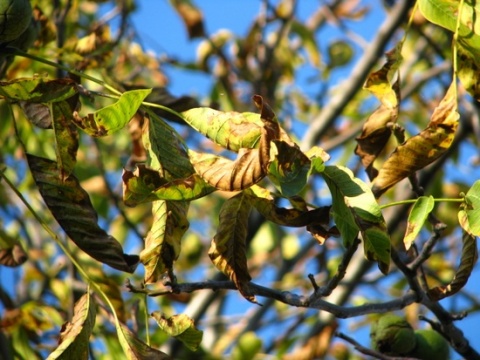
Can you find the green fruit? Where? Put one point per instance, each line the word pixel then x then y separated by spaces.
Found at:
pixel 15 16
pixel 430 345
pixel 392 335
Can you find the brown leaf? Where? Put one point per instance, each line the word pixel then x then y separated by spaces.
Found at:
pixel 228 249
pixel 422 149
pixel 467 262
pixel 71 207
pixel 191 16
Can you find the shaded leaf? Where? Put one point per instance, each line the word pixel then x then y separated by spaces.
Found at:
pixel 75 335
pixel 376 130
pixel 422 149
pixel 417 217
pixel 11 250
pixel 113 117
pixel 468 71
pixel 467 262
pixel 136 349
pixel 192 17
pixel 38 89
pixel 181 327
pixel 162 244
pixel 469 215
pixel 71 207
pixel 289 169
pixel 231 130
pixel 66 137
pixel 228 249
pixel 145 185
pixel 355 209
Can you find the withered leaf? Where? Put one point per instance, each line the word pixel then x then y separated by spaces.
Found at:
pixel 71 207
pixel 422 149
pixel 467 262
pixel 11 250
pixel 191 16
pixel 228 249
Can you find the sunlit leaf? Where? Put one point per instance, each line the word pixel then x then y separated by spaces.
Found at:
pixel 192 17
pixel 468 71
pixel 355 209
pixel 38 89
pixel 446 12
pixel 416 219
pixel 377 130
pixel 422 149
pixel 75 335
pixel 290 168
pixel 309 41
pixel 162 244
pixel 467 262
pixel 469 215
pixel 146 185
pixel 71 207
pixel 231 130
pixel 228 249
pixel 11 250
pixel 247 347
pixel 181 327
pixel 66 137
pixel 113 117
pixel 136 349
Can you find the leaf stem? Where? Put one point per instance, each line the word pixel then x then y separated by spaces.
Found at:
pixel 412 201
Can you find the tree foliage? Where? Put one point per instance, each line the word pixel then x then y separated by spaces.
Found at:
pixel 128 211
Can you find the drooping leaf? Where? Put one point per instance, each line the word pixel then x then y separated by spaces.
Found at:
pixel 467 262
pixel 251 165
pixel 417 217
pixel 113 117
pixel 228 249
pixel 355 209
pixel 38 89
pixel 377 130
pixel 446 12
pixel 231 130
pixel 469 215
pixel 11 250
pixel 290 168
pixel 192 17
pixel 166 150
pixel 146 185
pixel 71 207
pixel 468 71
pixel 136 349
pixel 66 137
pixel 422 149
pixel 181 327
pixel 162 244
pixel 75 335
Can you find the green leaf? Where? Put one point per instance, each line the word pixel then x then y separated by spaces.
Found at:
pixel 115 116
pixel 162 244
pixel 445 13
pixel 228 250
pixel 231 130
pixel 71 207
pixel 290 168
pixel 356 209
pixel 136 349
pixel 247 347
pixel 66 137
pixel 181 327
pixel 38 89
pixel 75 335
pixel 146 185
pixel 417 217
pixel 469 215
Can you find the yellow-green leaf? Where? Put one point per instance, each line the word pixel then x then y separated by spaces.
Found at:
pixel 38 89
pixel 113 117
pixel 75 335
pixel 181 327
pixel 417 217
pixel 469 215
